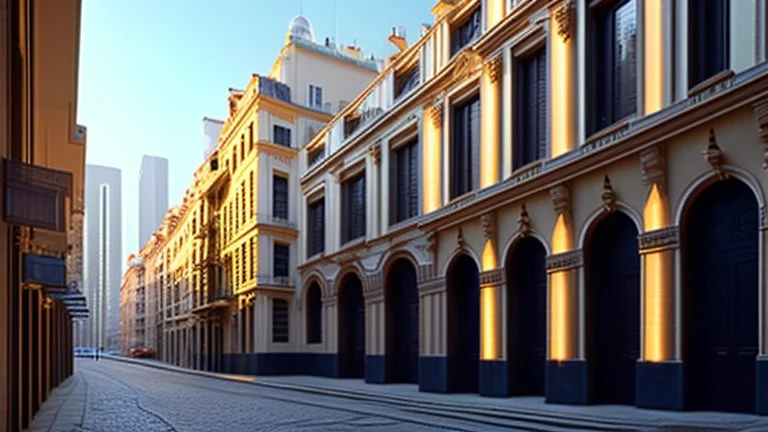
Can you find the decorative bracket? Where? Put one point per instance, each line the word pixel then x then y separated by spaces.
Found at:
pixel 493 69
pixel 375 151
pixel 715 156
pixel 608 196
pixel 524 223
pixel 435 113
pixel 653 167
pixel 761 115
pixel 489 225
pixel 566 19
pixel 460 242
pixel 561 198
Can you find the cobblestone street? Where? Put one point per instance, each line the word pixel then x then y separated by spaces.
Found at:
pixel 125 397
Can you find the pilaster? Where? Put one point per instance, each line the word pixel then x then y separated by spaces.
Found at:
pixel 433 364
pixel 562 82
pixel 490 141
pixel 494 377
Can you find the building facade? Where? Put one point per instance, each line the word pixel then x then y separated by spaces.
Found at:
pixel 153 195
pixel 42 152
pixel 103 258
pixel 553 198
pixel 133 307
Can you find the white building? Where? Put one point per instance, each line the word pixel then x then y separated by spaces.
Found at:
pixel 211 131
pixel 153 195
pixel 102 241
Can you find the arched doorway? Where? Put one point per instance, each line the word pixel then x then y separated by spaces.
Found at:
pixel 720 297
pixel 463 286
pixel 402 322
pixel 314 314
pixel 612 302
pixel 351 327
pixel 526 316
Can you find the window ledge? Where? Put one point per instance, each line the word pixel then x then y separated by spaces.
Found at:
pixel 709 82
pixel 612 129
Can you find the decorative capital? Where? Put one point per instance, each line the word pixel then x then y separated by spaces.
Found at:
pixel 489 225
pixel 608 196
pixel 375 151
pixel 653 167
pixel 493 69
pixel 435 113
pixel 761 115
pixel 715 156
pixel 565 15
pixel 659 240
pixel 524 222
pixel 467 63
pixel 561 198
pixel 565 261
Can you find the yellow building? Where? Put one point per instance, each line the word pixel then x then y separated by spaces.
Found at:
pixel 43 158
pixel 555 198
pixel 133 307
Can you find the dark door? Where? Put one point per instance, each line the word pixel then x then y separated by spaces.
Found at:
pixel 463 281
pixel 720 298
pixel 613 309
pixel 527 317
pixel 402 323
pixel 351 329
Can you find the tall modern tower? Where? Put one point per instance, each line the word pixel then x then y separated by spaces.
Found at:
pixel 103 259
pixel 153 196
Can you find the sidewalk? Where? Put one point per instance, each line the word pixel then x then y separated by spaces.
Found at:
pixel 608 417
pixel 64 410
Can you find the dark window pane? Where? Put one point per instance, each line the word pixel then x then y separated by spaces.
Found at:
pixel 625 60
pixel 353 208
pixel 282 259
pixel 281 135
pixel 404 181
pixel 280 197
pixel 708 39
pixel 531 113
pixel 465 148
pixel 316 225
pixel 314 315
pixel 467 32
pixel 279 321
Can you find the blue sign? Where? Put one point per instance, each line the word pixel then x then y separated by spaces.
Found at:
pixel 50 272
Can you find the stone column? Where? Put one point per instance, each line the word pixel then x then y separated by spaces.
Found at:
pixel 562 77
pixel 432 157
pixel 494 377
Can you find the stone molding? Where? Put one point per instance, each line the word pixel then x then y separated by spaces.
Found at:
pixel 565 261
pixel 492 277
pixel 659 240
pixel 432 286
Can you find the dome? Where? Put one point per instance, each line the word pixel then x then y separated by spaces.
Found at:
pixel 301 28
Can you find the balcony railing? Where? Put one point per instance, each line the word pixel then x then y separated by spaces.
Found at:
pixel 268 219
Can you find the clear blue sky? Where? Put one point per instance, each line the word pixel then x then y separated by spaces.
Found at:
pixel 151 69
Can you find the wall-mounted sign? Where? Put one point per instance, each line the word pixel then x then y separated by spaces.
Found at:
pixel 50 272
pixel 35 196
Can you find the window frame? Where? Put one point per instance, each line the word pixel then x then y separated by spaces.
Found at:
pixel 278 246
pixel 315 235
pixel 472 152
pixel 284 132
pixel 699 23
pixel 521 115
pixel 283 336
pixel 402 203
pixel 276 205
pixel 353 212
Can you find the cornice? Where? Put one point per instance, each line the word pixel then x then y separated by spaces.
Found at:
pixel 638 136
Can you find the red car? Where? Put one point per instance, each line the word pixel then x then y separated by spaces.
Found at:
pixel 142 352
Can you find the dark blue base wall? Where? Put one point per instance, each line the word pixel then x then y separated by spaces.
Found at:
pixel 762 386
pixel 281 364
pixel 494 378
pixel 566 382
pixel 433 374
pixel 660 385
pixel 375 369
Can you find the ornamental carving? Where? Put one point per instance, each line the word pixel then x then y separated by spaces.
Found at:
pixel 375 282
pixel 524 223
pixel 432 242
pixel 374 150
pixel 492 277
pixel 432 286
pixel 565 261
pixel 653 167
pixel 715 156
pixel 435 113
pixel 608 196
pixel 489 225
pixel 565 15
pixel 561 198
pixel 658 240
pixel 467 64
pixel 761 115
pixel 493 69
pixel 460 242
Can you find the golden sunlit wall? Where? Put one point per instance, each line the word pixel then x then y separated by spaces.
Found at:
pixel 495 12
pixel 657 289
pixel 562 86
pixel 561 316
pixel 653 56
pixel 431 160
pixel 490 129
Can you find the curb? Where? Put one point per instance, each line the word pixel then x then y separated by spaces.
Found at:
pixel 510 413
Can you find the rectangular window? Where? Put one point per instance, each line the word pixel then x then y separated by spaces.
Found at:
pixel 465 147
pixel 404 182
pixel 316 227
pixel 282 259
pixel 243 205
pixel 246 263
pixel 613 68
pixel 254 257
pixel 279 197
pixel 467 31
pixel 252 193
pixel 406 81
pixel 353 208
pixel 315 97
pixel 531 110
pixel 250 137
pixel 708 39
pixel 279 321
pixel 242 146
pixel 281 135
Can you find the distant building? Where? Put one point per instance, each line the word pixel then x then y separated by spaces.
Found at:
pixel 211 132
pixel 103 257
pixel 153 195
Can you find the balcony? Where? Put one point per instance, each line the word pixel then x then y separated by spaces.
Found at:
pixel 268 219
pixel 275 281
